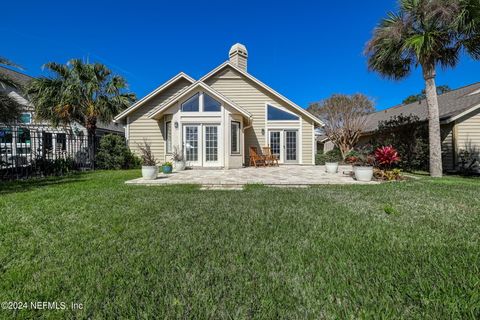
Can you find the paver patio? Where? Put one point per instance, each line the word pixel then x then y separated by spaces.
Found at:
pixel 291 176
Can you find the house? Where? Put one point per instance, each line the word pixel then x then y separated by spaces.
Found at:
pixel 459 118
pixel 28 138
pixel 216 119
pixel 324 144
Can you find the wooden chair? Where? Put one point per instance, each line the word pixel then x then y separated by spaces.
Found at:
pixel 270 158
pixel 256 158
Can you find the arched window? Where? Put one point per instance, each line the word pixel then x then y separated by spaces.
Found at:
pixel 276 114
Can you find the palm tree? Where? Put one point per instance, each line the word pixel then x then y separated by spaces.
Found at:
pixel 10 109
pixel 79 92
pixel 426 33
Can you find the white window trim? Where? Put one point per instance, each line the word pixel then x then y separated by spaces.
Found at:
pixel 167 151
pixel 239 130
pixel 282 109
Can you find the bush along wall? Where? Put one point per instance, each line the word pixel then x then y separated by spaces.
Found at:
pixel 113 154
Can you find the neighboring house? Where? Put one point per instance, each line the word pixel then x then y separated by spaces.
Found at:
pixel 29 138
pixel 459 119
pixel 215 119
pixel 324 144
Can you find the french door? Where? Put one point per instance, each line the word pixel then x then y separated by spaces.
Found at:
pixel 284 144
pixel 202 145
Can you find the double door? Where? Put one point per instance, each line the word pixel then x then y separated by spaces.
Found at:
pixel 202 145
pixel 284 144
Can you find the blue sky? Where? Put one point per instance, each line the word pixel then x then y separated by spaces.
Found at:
pixel 306 50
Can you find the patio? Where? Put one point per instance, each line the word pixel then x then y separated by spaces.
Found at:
pixel 283 176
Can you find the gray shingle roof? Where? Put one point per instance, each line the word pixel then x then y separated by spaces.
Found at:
pixel 450 104
pixel 15 76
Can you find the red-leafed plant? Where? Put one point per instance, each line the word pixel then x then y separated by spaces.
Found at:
pixel 386 156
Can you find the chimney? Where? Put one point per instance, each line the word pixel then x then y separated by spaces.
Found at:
pixel 238 56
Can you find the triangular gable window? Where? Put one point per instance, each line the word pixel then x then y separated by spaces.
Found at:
pixel 192 104
pixel 276 114
pixel 210 104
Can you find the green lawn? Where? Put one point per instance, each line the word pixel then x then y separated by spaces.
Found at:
pixel 178 252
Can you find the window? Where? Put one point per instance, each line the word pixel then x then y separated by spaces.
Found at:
pixel 61 142
pixel 23 135
pixel 276 114
pixel 192 104
pixel 6 135
pixel 168 134
pixel 26 118
pixel 210 104
pixel 235 137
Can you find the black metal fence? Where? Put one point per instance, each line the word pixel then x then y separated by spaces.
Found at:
pixel 38 151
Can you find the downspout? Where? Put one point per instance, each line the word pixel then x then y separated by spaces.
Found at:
pixel 249 126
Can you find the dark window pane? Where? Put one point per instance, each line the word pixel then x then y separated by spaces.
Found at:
pixel 23 135
pixel 275 114
pixel 191 105
pixel 61 141
pixel 210 104
pixel 235 137
pixel 6 135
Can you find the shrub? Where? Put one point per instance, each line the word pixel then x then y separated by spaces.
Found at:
pixel 113 154
pixel 330 156
pixel 409 135
pixel 55 167
pixel 386 156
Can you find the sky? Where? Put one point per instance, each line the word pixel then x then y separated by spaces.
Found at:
pixel 306 50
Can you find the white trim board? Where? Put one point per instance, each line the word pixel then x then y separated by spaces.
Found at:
pixel 140 102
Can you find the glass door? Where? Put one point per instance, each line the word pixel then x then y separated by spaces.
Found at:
pixel 284 145
pixel 276 143
pixel 192 144
pixel 291 150
pixel 211 145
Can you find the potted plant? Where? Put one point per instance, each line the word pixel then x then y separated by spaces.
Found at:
pixel 178 159
pixel 362 161
pixel 331 161
pixel 149 164
pixel 167 167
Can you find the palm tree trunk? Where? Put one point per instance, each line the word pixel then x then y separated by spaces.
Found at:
pixel 434 137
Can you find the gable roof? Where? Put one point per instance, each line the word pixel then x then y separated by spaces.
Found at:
pixel 264 86
pixel 198 84
pixel 15 76
pixel 451 105
pixel 149 96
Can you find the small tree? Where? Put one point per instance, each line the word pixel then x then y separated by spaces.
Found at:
pixel 113 154
pixel 344 117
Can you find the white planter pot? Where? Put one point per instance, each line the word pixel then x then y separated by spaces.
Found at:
pixel 331 167
pixel 149 172
pixel 178 165
pixel 364 174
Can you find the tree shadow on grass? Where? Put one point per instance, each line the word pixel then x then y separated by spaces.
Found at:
pixel 7 187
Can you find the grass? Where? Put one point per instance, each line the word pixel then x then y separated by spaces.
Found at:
pixel 178 252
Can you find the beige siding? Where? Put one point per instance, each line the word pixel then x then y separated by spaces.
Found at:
pixel 253 98
pixel 447 147
pixel 307 141
pixel 468 134
pixel 141 127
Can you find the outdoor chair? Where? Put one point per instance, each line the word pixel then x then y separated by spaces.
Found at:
pixel 255 158
pixel 270 158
